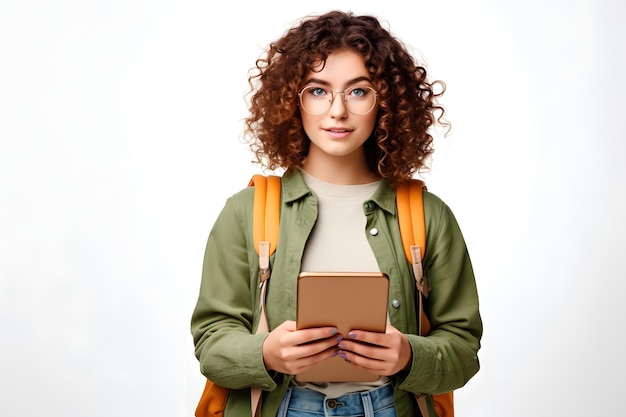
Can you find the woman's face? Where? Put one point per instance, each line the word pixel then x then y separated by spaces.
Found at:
pixel 338 131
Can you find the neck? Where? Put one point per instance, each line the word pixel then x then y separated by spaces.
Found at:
pixel 347 170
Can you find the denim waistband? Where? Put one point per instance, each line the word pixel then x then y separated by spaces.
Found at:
pixel 348 404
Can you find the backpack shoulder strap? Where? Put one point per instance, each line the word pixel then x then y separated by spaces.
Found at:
pixel 265 228
pixel 410 203
pixel 411 217
pixel 265 218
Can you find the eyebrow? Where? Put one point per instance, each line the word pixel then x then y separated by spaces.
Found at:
pixel 350 82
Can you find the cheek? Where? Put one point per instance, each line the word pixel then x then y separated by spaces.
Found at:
pixel 307 122
pixel 371 121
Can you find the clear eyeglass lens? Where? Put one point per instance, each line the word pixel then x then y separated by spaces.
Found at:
pixel 318 100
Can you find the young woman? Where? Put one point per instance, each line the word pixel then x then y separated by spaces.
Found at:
pixel 341 106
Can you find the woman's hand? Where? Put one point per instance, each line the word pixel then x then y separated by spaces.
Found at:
pixel 292 351
pixel 379 353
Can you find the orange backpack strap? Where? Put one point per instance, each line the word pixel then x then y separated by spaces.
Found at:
pixel 412 223
pixel 265 218
pixel 410 203
pixel 265 228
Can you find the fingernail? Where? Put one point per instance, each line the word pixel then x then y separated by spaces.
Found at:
pixel 333 332
pixel 338 339
pixel 341 345
pixel 342 355
pixel 352 335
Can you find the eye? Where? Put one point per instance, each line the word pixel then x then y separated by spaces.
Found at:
pixel 316 92
pixel 358 92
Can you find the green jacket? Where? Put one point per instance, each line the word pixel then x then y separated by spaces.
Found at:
pixel 224 319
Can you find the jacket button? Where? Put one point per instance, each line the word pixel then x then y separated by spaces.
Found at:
pixel 395 303
pixel 331 403
pixel 374 231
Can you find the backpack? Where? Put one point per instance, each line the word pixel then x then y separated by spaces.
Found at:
pixel 266 225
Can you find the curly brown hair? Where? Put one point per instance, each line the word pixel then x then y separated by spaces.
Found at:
pixel 400 144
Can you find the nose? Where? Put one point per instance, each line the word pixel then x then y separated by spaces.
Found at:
pixel 338 105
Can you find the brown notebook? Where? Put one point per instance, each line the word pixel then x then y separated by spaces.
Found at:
pixel 346 300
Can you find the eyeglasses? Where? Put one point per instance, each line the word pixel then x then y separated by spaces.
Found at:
pixel 318 100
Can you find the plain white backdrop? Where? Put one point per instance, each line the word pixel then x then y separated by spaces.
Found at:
pixel 120 126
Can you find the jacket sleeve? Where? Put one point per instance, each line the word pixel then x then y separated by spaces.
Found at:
pixel 447 358
pixel 222 322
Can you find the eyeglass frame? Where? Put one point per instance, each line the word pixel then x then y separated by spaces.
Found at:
pixel 332 99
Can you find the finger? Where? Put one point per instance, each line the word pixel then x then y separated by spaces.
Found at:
pixel 317 346
pixel 286 349
pixel 389 348
pixel 391 354
pixel 375 338
pixel 307 362
pixel 367 338
pixel 304 356
pixel 366 350
pixel 305 336
pixel 309 342
pixel 374 366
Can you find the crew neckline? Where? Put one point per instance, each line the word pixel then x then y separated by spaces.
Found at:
pixel 339 190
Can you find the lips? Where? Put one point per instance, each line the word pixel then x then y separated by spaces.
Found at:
pixel 337 132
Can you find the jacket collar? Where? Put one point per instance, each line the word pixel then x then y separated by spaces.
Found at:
pixel 295 188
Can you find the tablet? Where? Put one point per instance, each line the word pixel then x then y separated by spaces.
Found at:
pixel 348 301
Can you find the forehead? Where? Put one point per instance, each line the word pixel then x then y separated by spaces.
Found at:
pixel 340 67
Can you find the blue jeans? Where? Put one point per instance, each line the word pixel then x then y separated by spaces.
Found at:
pixel 299 402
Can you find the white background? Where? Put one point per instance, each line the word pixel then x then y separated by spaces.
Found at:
pixel 120 126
